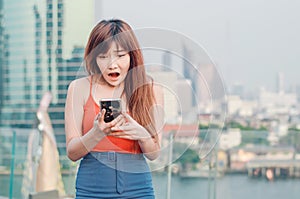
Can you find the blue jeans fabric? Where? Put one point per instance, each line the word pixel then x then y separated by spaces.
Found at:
pixel 114 175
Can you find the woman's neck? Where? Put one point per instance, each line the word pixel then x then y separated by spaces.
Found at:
pixel 108 89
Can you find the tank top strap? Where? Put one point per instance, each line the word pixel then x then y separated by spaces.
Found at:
pixel 91 84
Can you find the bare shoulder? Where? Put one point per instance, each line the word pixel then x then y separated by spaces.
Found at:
pixel 82 85
pixel 81 82
pixel 80 88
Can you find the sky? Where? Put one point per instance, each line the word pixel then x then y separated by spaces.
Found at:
pixel 249 41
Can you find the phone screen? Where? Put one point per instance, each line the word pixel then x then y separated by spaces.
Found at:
pixel 112 107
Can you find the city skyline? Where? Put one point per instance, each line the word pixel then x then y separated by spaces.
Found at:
pixel 49 47
pixel 250 42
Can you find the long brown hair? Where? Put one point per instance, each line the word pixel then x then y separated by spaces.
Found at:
pixel 138 87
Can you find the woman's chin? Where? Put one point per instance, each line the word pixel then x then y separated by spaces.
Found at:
pixel 114 83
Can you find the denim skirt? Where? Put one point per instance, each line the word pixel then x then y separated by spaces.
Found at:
pixel 114 175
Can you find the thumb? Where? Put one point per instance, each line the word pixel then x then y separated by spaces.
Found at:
pixel 102 114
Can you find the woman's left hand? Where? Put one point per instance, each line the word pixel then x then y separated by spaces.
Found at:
pixel 131 130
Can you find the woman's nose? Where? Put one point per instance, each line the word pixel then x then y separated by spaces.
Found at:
pixel 113 64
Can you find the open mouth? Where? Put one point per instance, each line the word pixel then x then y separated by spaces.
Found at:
pixel 114 75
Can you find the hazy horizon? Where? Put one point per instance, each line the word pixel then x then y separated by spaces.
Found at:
pixel 250 42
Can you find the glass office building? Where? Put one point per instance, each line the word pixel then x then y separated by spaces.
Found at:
pixel 32 43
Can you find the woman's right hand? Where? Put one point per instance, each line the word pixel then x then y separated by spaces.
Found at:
pixel 105 128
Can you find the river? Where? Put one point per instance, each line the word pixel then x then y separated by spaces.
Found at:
pixel 227 187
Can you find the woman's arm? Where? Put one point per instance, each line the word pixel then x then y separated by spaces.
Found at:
pixel 151 146
pixel 79 145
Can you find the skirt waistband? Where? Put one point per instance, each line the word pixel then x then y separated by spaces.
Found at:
pixel 133 163
pixel 113 156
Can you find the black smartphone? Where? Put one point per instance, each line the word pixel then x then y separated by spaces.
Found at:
pixel 112 107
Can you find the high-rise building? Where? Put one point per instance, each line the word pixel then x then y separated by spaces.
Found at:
pixel 34 43
pixel 280 83
pixel 167 60
pixel 297 91
pixel 166 80
pixel 187 65
pixel 2 57
pixel 72 70
pixel 68 72
pixel 207 85
pixel 237 89
pixel 274 103
pixel 190 72
pixel 185 95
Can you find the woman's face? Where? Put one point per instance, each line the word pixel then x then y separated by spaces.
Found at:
pixel 114 64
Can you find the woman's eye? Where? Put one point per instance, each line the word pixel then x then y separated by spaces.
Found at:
pixel 121 55
pixel 103 56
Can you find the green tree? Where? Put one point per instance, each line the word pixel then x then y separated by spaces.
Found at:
pixel 189 156
pixel 291 139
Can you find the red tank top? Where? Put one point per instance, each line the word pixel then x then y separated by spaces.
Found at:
pixel 108 143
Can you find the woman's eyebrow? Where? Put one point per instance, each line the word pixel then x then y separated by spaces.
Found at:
pixel 120 51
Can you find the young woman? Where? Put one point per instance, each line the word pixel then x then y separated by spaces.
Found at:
pixel 112 153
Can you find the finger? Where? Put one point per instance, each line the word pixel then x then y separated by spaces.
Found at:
pixel 128 117
pixel 128 137
pixel 116 129
pixel 102 113
pixel 116 121
pixel 121 122
pixel 122 128
pixel 117 133
pixel 98 116
pixel 107 131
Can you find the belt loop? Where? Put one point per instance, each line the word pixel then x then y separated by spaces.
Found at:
pixel 111 155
